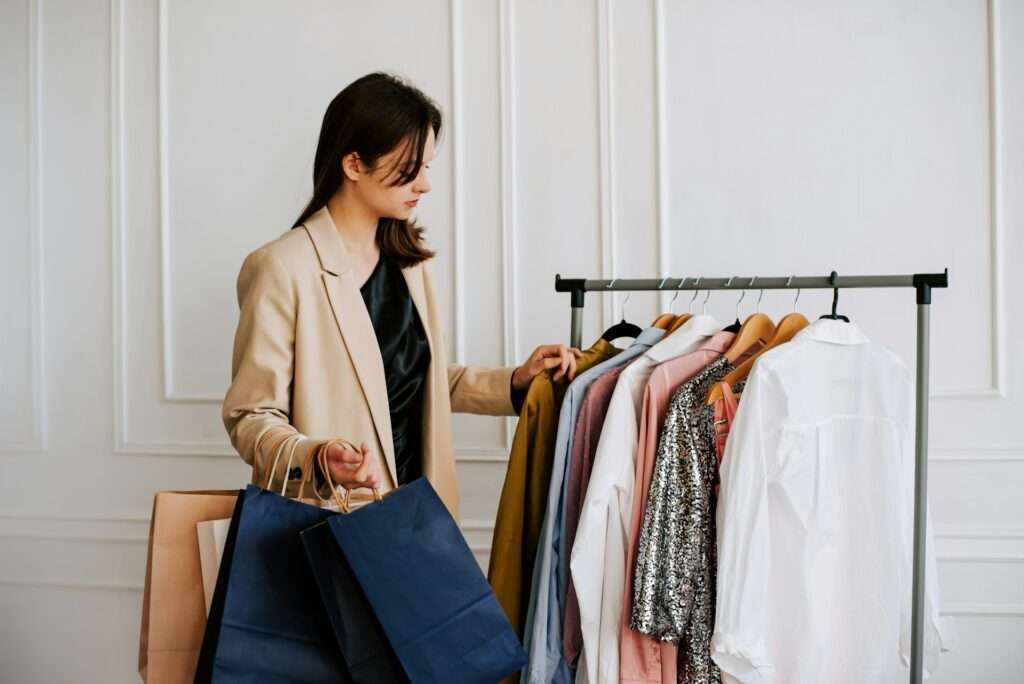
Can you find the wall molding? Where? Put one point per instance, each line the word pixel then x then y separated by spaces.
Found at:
pixel 984 609
pixel 119 241
pixel 509 191
pixel 606 153
pixel 977 532
pixel 77 586
pixel 997 387
pixel 663 204
pixel 166 290
pixel 37 442
pixel 976 454
pixel 997 237
pixel 458 211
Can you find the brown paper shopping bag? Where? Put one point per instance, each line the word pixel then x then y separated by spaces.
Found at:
pixel 173 605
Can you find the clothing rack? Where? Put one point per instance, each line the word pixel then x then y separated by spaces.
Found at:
pixel 921 282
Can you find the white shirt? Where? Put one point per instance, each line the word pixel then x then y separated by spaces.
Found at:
pixel 815 518
pixel 598 557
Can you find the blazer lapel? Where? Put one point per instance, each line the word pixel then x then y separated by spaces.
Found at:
pixel 355 326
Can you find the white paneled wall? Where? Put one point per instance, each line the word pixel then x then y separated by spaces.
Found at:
pixel 148 145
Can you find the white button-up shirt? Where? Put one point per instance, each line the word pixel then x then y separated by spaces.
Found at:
pixel 815 518
pixel 598 557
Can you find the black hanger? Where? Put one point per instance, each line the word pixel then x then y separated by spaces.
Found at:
pixel 622 328
pixel 735 327
pixel 835 301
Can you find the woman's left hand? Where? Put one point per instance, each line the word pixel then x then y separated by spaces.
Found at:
pixel 544 357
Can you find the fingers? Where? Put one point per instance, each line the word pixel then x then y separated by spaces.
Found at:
pixel 344 455
pixel 560 356
pixel 566 362
pixel 366 475
pixel 353 469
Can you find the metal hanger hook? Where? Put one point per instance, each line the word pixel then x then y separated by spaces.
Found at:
pixel 672 304
pixel 696 292
pixel 761 295
pixel 704 306
pixel 788 283
pixel 742 295
pixel 624 302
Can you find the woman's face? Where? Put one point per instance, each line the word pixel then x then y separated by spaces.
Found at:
pixel 375 189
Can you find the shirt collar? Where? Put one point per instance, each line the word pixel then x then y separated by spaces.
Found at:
pixel 719 342
pixel 649 337
pixel 692 332
pixel 834 331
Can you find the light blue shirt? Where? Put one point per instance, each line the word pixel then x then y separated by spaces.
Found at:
pixel 546 609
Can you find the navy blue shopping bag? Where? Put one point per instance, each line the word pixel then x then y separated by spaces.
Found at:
pixel 426 589
pixel 266 622
pixel 368 655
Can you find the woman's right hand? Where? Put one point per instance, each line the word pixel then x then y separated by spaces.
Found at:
pixel 352 469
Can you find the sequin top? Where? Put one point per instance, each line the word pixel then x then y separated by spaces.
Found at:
pixel 673 591
pixel 406 355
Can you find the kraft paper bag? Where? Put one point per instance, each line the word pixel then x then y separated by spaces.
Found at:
pixel 173 605
pixel 212 535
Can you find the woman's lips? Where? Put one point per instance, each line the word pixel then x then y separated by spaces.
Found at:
pixel 412 203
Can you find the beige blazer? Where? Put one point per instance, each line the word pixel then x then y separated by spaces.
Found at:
pixel 306 360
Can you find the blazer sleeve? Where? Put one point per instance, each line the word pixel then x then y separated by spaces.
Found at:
pixel 484 391
pixel 475 389
pixel 257 403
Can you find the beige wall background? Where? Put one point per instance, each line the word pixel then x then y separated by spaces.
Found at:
pixel 148 145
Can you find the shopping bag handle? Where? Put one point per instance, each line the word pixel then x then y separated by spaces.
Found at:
pixel 295 440
pixel 321 461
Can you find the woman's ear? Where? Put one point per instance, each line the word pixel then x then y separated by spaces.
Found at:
pixel 352 167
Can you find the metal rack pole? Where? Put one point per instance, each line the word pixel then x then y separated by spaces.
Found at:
pixel 924 300
pixel 921 282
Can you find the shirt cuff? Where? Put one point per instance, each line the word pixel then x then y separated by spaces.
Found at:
pixel 518 396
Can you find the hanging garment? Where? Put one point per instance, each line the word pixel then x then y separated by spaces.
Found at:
pixel 672 554
pixel 588 433
pixel 598 557
pixel 406 356
pixel 815 533
pixel 725 413
pixel 643 660
pixel 524 494
pixel 543 635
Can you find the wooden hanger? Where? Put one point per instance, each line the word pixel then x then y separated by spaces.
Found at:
pixel 665 320
pixel 682 318
pixel 757 327
pixel 788 327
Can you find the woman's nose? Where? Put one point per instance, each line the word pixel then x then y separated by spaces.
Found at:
pixel 421 184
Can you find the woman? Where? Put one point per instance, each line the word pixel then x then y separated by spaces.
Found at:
pixel 339 334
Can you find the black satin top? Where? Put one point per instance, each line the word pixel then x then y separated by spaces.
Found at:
pixel 406 353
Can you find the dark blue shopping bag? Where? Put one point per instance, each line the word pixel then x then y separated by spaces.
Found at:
pixel 426 589
pixel 368 655
pixel 266 621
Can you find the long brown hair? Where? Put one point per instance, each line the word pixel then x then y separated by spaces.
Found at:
pixel 373 116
